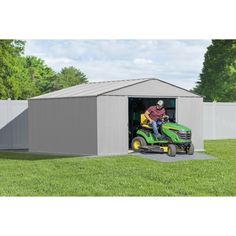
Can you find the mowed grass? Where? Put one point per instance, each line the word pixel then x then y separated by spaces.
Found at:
pixel 24 174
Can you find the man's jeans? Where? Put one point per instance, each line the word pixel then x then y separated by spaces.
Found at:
pixel 155 125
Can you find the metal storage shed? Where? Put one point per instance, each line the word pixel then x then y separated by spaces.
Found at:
pixel 93 118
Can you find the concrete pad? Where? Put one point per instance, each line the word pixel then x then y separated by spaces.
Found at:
pixel 163 157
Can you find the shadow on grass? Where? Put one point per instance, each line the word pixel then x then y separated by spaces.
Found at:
pixel 25 156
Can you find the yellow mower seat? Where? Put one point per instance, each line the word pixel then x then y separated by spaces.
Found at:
pixel 144 122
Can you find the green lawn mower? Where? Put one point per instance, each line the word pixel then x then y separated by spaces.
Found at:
pixel 176 138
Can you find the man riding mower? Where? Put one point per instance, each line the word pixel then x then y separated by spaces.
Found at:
pixel 157 134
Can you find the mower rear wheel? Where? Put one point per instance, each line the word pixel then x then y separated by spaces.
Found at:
pixel 137 142
pixel 190 149
pixel 171 150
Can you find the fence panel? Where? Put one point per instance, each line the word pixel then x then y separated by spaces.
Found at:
pixel 219 120
pixel 13 124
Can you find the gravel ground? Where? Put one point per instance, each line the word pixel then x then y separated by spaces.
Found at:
pixel 179 157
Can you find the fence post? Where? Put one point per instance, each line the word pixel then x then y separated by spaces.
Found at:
pixel 214 119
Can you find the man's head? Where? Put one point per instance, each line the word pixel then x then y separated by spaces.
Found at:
pixel 160 104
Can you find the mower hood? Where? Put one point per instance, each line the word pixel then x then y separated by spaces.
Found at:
pixel 175 126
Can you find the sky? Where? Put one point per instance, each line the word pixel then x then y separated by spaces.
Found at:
pixel 175 61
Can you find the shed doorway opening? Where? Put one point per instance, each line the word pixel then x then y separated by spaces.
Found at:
pixel 138 106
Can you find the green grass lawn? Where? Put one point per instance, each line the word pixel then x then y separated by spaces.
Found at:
pixel 24 174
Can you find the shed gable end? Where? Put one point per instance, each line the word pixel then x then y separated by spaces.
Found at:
pixel 152 88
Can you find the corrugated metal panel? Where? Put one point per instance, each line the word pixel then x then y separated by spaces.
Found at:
pixel 112 125
pixel 89 89
pixel 190 113
pixel 65 126
pixel 153 88
pixel 119 87
pixel 219 120
pixel 13 124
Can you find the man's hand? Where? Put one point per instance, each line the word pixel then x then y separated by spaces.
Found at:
pixel 166 117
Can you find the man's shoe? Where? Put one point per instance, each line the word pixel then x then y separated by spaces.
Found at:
pixel 160 136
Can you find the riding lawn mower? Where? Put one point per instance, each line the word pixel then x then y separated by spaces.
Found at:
pixel 175 138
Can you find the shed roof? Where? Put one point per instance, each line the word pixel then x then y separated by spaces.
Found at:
pixel 98 88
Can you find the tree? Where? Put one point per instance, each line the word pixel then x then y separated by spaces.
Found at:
pixel 13 47
pixel 10 54
pixel 40 75
pixel 218 77
pixel 69 76
pixel 24 77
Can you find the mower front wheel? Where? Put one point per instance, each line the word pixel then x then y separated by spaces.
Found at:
pixel 171 150
pixel 190 149
pixel 137 142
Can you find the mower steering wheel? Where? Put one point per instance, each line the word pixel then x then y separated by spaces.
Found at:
pixel 165 118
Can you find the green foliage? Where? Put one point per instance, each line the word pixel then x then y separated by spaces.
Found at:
pixel 40 75
pixel 69 76
pixel 24 77
pixel 10 52
pixel 218 77
pixel 13 47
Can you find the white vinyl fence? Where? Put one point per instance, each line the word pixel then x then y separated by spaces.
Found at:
pixel 13 124
pixel 219 120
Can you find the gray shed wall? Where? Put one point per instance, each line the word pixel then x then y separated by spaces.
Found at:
pixel 112 118
pixel 190 114
pixel 152 88
pixel 65 126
